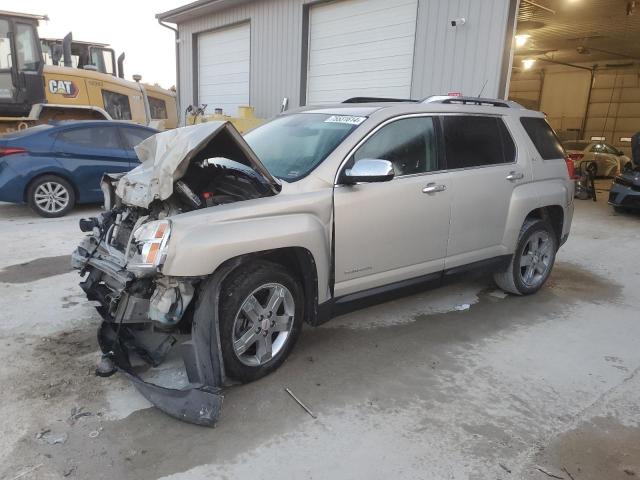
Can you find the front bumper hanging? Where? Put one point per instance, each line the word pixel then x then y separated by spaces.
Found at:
pixel 200 402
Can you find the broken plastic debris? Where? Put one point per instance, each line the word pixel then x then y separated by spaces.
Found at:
pixel 498 294
pixel 462 307
pixel 52 438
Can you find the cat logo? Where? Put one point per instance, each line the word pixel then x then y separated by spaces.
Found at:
pixel 66 88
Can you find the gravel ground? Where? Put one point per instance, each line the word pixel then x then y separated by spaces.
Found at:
pixel 509 388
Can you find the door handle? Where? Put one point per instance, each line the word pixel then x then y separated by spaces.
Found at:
pixel 513 176
pixel 433 188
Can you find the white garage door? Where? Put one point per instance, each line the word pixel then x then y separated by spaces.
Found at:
pixel 360 48
pixel 223 68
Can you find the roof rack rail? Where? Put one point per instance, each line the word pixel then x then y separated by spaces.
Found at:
pixel 494 102
pixel 378 99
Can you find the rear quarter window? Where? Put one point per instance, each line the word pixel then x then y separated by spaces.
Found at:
pixel 543 138
pixel 133 136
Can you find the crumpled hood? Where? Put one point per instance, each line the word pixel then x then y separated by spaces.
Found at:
pixel 166 156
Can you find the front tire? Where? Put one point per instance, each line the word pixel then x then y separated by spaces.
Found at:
pixel 532 261
pixel 261 310
pixel 51 196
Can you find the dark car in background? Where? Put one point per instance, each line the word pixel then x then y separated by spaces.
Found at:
pixel 55 166
pixel 624 195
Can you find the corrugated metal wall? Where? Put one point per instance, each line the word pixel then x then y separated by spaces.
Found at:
pixel 526 88
pixel 446 58
pixel 460 59
pixel 613 111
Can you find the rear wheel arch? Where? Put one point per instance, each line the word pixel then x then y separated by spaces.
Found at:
pixel 554 214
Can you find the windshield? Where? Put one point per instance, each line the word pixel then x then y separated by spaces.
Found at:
pixel 575 145
pixel 290 147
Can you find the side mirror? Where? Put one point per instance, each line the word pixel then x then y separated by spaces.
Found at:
pixel 369 170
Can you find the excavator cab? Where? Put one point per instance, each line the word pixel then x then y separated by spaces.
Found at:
pixel 21 64
pixel 67 52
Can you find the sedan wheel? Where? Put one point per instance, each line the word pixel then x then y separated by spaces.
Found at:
pixel 51 196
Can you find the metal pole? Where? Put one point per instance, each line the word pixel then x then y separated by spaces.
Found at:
pixel 542 73
pixel 177 40
pixel 586 111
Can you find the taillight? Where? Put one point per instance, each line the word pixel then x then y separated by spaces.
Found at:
pixel 576 156
pixel 4 151
pixel 571 168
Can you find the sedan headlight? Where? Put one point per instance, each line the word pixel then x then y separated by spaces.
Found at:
pixel 150 246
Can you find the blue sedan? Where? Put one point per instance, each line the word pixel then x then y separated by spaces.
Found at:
pixel 55 166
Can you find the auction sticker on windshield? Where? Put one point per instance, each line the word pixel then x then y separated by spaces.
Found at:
pixel 350 119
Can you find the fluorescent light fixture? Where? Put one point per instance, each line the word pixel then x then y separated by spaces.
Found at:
pixel 527 63
pixel 521 39
pixel 625 139
pixel 598 139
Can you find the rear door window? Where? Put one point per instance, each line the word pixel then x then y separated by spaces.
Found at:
pixel 93 137
pixel 133 136
pixel 543 137
pixel 476 141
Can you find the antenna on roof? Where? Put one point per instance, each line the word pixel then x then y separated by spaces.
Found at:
pixel 482 89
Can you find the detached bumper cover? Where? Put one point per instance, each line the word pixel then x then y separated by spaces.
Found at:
pixel 200 402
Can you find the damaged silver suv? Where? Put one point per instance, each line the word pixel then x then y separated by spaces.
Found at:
pixel 219 247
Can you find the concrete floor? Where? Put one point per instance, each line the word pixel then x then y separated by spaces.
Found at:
pixel 511 387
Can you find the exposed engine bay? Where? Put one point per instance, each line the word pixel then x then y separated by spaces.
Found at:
pixel 143 311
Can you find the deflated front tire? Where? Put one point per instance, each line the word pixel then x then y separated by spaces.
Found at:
pixel 261 311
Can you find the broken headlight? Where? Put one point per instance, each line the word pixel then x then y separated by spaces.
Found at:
pixel 150 246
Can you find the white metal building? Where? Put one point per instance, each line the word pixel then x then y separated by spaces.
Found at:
pixel 256 52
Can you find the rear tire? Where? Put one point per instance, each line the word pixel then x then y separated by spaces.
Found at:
pixel 261 311
pixel 532 261
pixel 51 196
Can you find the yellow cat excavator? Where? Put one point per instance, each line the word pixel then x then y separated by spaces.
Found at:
pixel 62 79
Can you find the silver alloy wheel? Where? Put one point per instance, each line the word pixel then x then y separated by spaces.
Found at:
pixel 536 259
pixel 51 197
pixel 263 324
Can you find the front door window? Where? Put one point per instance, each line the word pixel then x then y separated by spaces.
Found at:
pixel 26 48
